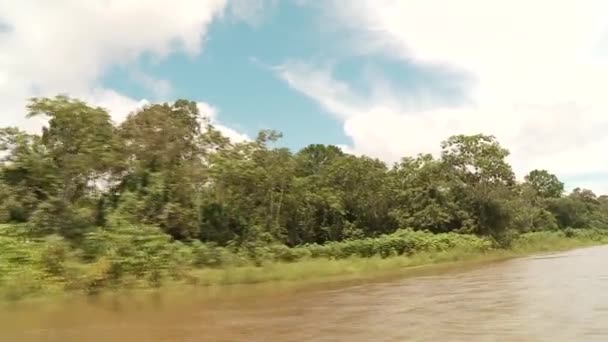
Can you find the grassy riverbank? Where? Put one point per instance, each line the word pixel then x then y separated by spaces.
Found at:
pixel 136 258
pixel 355 267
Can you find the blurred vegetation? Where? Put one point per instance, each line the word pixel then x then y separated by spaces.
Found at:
pixel 163 197
pixel 134 257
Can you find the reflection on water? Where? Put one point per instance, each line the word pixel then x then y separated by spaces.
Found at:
pixel 560 297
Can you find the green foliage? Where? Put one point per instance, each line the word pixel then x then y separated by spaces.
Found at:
pixel 421 190
pixel 211 255
pixel 547 185
pixel 27 265
pixel 166 166
pixel 402 242
pixel 139 251
pixel 581 209
pixel 478 159
pixel 54 255
pixel 55 216
pixel 144 257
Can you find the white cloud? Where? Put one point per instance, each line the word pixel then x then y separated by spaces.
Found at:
pixel 540 71
pixel 158 87
pixel 335 96
pixel 65 46
pixel 119 106
pixel 211 112
pixel 252 11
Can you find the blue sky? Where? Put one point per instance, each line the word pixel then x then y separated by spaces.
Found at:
pixel 235 75
pixel 383 78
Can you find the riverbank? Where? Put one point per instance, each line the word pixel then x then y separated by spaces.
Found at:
pixel 146 262
pixel 322 270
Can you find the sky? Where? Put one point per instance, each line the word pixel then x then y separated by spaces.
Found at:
pixel 384 78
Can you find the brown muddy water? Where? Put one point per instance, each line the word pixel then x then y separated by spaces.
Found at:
pixel 552 297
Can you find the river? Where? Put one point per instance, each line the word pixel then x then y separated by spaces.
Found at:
pixel 551 297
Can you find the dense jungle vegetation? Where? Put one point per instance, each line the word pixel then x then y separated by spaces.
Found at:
pixel 90 204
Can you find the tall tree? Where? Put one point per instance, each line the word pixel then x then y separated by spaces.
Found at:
pixel 166 165
pixel 485 181
pixel 28 175
pixel 422 191
pixel 80 141
pixel 65 169
pixel 546 184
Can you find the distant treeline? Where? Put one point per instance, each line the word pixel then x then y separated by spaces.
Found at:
pixel 168 167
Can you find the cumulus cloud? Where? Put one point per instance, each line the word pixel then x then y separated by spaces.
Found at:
pixel 65 47
pixel 540 69
pixel 211 113
pixel 318 83
pixel 118 105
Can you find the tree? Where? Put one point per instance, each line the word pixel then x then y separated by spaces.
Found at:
pixel 163 135
pixel 313 158
pixel 81 142
pixel 422 192
pixel 569 212
pixel 28 175
pixel 361 184
pixel 478 159
pixel 249 188
pixel 484 181
pixel 166 151
pixel 530 211
pixel 78 149
pixel 584 195
pixel 547 185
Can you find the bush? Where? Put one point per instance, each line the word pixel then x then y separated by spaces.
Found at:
pixel 129 255
pixel 54 254
pixel 55 216
pixel 142 251
pixel 24 282
pixel 595 234
pixel 26 265
pixel 405 241
pixel 208 255
pixel 569 232
pixel 283 253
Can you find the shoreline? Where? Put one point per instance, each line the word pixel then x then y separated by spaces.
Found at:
pixel 306 275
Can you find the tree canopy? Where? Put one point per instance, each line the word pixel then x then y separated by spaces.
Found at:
pixel 167 166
